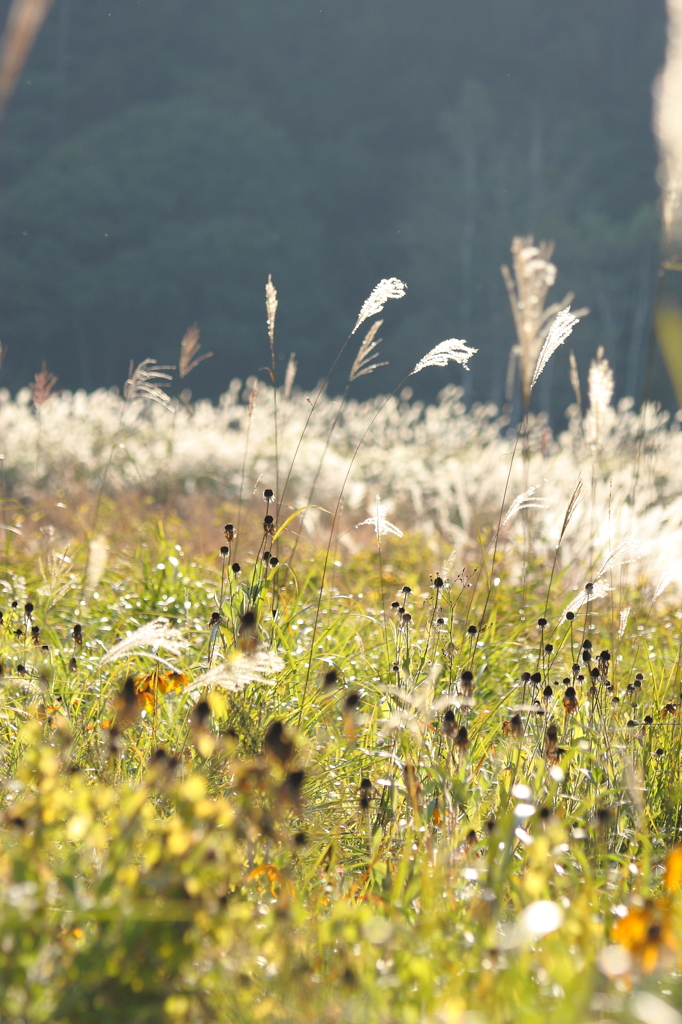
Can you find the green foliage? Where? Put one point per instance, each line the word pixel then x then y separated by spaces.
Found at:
pixel 172 856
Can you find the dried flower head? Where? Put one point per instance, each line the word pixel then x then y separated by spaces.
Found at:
pixel 189 348
pixel 362 364
pixel 42 386
pixel 271 304
pixel 143 381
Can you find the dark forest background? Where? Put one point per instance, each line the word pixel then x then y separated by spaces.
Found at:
pixel 161 157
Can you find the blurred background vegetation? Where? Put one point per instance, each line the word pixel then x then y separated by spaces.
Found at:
pixel 161 157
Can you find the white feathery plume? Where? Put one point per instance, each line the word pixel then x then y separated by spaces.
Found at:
pixel 600 387
pixel 624 616
pixel 449 564
pixel 271 304
pixel 572 506
pixel 380 522
pixel 667 577
pixel 629 550
pixel 599 588
pixel 524 501
pixel 451 351
pixel 142 382
pixel 290 376
pixel 236 674
pixel 563 324
pixel 158 633
pixel 388 288
pixel 362 365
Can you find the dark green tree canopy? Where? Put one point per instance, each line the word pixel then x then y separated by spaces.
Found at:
pixel 161 158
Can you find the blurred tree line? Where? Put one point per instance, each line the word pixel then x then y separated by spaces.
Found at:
pixel 161 157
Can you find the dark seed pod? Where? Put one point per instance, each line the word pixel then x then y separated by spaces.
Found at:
pixel 352 702
pixel 449 723
pixel 201 715
pixel 277 744
pixel 462 738
pixel 365 794
pixel 330 679
pixel 516 723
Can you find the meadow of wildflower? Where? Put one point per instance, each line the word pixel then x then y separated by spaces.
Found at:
pixel 316 709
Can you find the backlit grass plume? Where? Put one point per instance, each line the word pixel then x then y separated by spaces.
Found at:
pixel 159 633
pixel 528 283
pixel 362 364
pixel 240 670
pixel 388 288
pixel 143 382
pixel 271 303
pixel 561 328
pixel 189 352
pixel 600 387
pixel 528 499
pixel 451 351
pixel 380 522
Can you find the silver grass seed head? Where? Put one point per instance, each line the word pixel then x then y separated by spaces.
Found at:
pixel 387 288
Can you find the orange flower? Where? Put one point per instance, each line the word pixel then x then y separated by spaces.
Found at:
pixel 646 932
pixel 148 685
pixel 172 682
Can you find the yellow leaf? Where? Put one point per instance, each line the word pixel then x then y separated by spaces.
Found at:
pixel 293 516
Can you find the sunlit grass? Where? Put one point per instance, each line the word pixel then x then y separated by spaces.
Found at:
pixel 410 843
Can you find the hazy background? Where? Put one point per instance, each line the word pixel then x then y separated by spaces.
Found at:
pixel 161 157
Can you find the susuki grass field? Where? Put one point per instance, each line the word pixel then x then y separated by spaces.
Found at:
pixel 264 761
